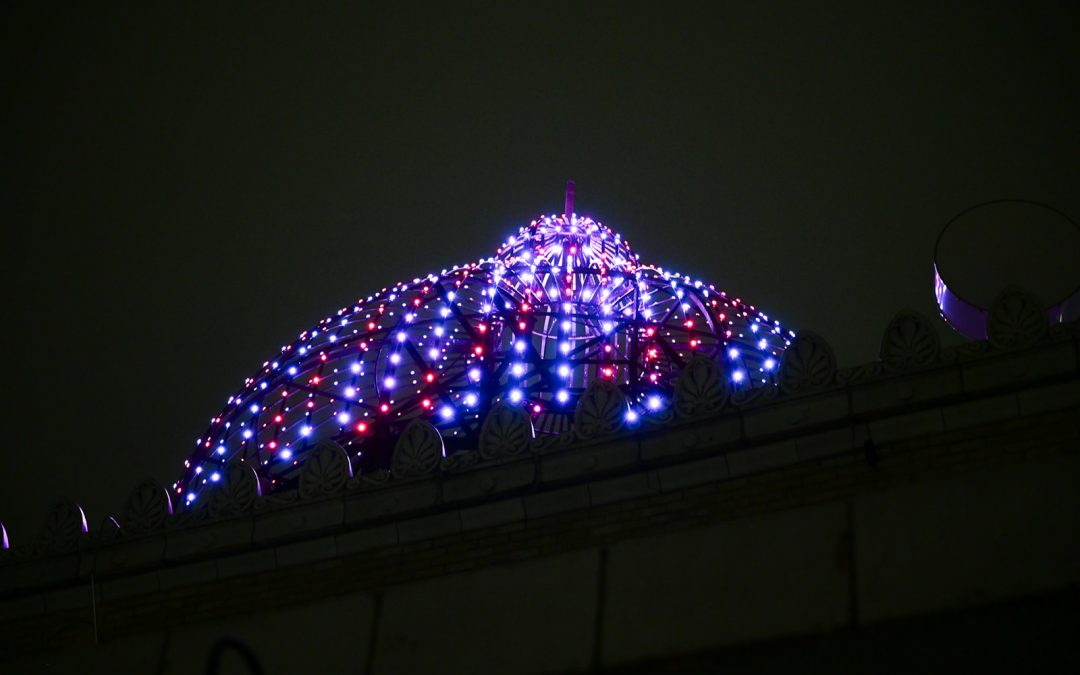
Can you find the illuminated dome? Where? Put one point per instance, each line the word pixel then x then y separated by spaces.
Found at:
pixel 563 303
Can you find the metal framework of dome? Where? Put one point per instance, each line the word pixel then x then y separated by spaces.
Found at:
pixel 563 303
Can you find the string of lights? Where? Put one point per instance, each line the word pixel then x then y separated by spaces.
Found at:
pixel 562 303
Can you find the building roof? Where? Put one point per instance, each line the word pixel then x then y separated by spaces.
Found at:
pixel 564 304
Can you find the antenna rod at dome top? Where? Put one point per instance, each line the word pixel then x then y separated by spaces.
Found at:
pixel 568 205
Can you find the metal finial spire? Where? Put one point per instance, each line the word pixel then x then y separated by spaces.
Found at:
pixel 568 205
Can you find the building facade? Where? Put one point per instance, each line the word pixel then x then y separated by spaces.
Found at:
pixel 916 513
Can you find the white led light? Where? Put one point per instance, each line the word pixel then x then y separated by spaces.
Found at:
pixel 515 395
pixel 343 418
pixel 770 363
pixel 562 396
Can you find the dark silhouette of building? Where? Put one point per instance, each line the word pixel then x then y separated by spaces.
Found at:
pixel 916 513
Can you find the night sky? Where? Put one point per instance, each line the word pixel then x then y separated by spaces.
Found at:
pixel 190 186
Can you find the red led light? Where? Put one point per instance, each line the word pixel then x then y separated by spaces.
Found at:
pixel 273 445
pixel 430 377
pixel 426 403
pixel 277 419
pixel 361 428
pixel 385 407
pixel 478 350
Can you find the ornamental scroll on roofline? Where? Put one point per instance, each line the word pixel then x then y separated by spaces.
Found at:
pixel 563 304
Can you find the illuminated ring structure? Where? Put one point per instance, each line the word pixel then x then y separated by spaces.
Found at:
pixel 563 303
pixel 967 317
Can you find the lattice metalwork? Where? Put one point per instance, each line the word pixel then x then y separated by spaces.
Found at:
pixel 564 302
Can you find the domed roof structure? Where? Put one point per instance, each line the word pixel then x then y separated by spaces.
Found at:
pixel 563 303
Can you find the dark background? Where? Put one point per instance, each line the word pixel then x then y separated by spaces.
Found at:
pixel 189 186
